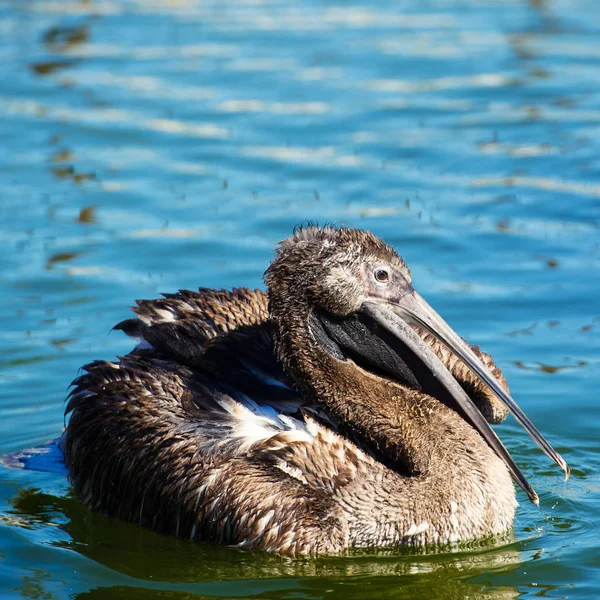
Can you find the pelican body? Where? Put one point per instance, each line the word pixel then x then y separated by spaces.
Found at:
pixel 336 410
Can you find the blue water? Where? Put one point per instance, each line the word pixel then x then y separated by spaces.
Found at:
pixel 149 145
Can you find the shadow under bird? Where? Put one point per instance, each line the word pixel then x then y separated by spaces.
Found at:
pixel 335 410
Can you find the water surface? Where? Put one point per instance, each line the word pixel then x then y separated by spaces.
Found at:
pixel 147 146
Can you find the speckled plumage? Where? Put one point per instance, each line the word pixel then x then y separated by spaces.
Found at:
pixel 230 423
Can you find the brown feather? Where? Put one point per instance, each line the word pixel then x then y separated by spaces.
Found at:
pixel 232 426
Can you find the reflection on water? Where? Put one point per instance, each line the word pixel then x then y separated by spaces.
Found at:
pixel 382 574
pixel 61 39
pixel 147 146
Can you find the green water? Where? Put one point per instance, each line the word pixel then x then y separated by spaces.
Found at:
pixel 147 146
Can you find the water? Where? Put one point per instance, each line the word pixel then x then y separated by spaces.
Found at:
pixel 147 146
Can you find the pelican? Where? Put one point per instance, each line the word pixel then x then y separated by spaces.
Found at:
pixel 336 410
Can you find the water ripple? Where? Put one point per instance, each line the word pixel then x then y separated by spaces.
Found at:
pixel 151 145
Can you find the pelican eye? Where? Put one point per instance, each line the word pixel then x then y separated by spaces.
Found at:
pixel 382 275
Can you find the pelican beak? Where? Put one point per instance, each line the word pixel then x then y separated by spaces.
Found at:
pixel 411 309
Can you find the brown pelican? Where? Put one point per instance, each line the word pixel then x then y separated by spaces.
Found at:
pixel 336 410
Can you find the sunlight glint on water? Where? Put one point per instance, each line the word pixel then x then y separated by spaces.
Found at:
pixel 151 146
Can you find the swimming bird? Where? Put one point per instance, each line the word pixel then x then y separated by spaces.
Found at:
pixel 335 410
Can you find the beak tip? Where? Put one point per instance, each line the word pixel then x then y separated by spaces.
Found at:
pixel 567 470
pixel 535 499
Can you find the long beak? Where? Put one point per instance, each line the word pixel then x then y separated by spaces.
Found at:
pixel 414 309
pixel 396 318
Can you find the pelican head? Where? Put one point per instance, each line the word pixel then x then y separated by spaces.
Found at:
pixel 354 296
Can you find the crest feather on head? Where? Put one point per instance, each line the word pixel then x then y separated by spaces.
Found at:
pixel 343 244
